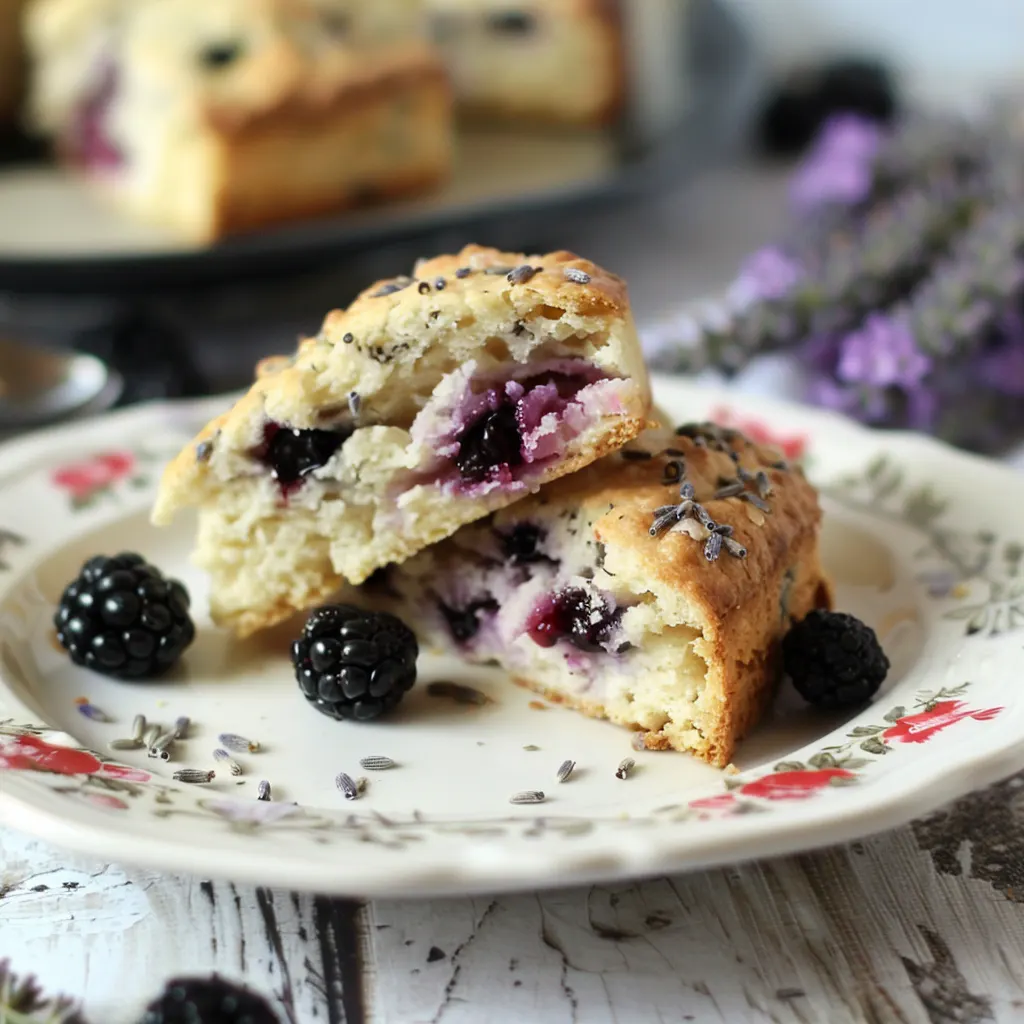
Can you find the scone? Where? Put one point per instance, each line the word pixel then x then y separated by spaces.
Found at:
pixel 550 60
pixel 652 589
pixel 430 402
pixel 216 118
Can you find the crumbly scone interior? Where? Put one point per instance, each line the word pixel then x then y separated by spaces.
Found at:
pixel 549 590
pixel 385 404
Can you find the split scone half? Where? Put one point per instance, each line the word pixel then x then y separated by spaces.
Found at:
pixel 652 589
pixel 430 402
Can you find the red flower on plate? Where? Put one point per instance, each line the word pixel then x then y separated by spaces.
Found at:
pixel 106 801
pixel 793 446
pixel 26 753
pixel 714 803
pixel 83 479
pixel 796 785
pixel 920 728
pixel 124 774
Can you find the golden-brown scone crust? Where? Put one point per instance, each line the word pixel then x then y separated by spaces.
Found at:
pixel 408 349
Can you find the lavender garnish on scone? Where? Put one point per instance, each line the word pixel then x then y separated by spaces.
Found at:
pixel 652 588
pixel 430 402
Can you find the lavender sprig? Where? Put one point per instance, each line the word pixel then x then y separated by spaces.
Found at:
pixel 980 284
pixel 831 292
pixel 23 1001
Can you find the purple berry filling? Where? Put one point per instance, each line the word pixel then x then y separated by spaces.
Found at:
pixel 291 454
pixel 522 545
pixel 491 444
pixel 89 141
pixel 464 623
pixel 481 431
pixel 500 425
pixel 572 614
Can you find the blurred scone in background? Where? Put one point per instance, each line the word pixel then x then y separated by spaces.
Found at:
pixel 216 118
pixel 549 60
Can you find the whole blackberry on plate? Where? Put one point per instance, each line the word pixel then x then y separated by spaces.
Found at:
pixel 352 663
pixel 834 660
pixel 119 616
pixel 207 1001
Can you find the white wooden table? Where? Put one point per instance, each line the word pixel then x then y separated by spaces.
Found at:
pixel 923 925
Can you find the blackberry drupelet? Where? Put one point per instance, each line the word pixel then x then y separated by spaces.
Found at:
pixel 351 663
pixel 120 617
pixel 208 1001
pixel 834 660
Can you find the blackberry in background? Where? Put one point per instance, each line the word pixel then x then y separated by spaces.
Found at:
pixel 210 1000
pixel 800 104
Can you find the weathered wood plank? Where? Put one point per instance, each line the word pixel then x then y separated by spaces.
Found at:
pixel 923 925
pixel 113 936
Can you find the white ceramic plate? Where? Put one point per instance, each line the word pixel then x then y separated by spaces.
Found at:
pixel 925 544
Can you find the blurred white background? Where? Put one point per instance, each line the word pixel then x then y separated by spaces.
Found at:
pixel 948 51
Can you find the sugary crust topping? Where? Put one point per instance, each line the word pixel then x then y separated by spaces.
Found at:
pixel 399 338
pixel 560 280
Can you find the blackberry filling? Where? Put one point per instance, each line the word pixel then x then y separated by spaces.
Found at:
pixel 464 623
pixel 490 444
pixel 293 454
pixel 572 615
pixel 89 141
pixel 521 546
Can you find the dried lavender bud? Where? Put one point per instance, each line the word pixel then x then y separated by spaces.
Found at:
pixel 577 276
pixel 522 273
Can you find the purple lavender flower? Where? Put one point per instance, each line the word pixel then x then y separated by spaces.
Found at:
pixel 883 353
pixel 922 409
pixel 769 274
pixel 824 391
pixel 839 168
pixel 1003 369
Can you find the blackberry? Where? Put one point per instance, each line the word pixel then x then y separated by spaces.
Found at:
pixel 799 105
pixel 572 615
pixel 293 454
pixel 352 663
pixel 834 660
pixel 208 1001
pixel 490 443
pixel 119 616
